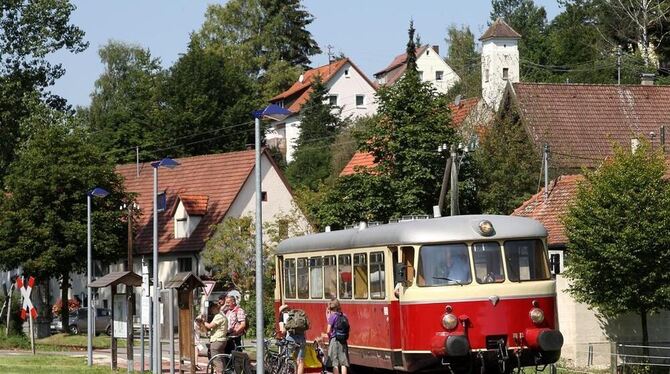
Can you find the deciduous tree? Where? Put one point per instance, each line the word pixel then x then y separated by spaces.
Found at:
pixel 31 30
pixel 43 221
pixel 617 241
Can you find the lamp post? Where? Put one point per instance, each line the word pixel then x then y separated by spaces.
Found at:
pixel 97 192
pixel 276 113
pixel 170 164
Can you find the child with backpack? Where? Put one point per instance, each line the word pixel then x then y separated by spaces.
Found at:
pixel 338 333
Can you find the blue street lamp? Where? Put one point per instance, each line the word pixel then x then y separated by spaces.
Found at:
pixel 96 192
pixel 276 113
pixel 170 164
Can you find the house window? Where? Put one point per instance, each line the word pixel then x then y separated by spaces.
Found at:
pixel 181 228
pixel 360 100
pixel 264 196
pixel 346 73
pixel 438 75
pixel 420 75
pixel 185 264
pixel 505 73
pixel 332 100
pixel 486 75
pixel 161 201
pixel 280 103
pixel 555 263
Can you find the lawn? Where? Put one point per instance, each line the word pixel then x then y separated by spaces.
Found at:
pixel 57 342
pixel 47 363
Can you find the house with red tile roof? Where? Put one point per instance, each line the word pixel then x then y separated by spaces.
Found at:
pixel 580 122
pixel 348 88
pixel 432 68
pixel 196 196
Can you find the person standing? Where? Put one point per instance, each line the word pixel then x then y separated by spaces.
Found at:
pixel 338 333
pixel 237 322
pixel 293 324
pixel 218 329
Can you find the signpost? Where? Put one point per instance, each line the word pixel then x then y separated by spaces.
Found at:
pixel 209 286
pixel 27 307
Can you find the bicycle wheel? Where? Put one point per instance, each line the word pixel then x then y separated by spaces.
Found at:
pixel 227 363
pixel 270 363
pixel 289 367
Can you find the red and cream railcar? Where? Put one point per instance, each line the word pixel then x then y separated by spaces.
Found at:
pixel 461 292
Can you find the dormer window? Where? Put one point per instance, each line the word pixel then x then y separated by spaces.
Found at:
pixel 505 73
pixel 161 201
pixel 188 213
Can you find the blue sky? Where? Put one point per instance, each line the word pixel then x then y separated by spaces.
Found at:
pixel 371 32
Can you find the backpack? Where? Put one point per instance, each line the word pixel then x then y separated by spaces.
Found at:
pixel 297 322
pixel 341 328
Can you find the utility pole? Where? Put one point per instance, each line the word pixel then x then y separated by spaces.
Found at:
pixel 454 181
pixel 545 161
pixel 445 179
pixel 662 138
pixel 618 64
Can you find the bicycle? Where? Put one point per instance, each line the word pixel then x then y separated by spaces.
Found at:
pixel 281 361
pixel 231 364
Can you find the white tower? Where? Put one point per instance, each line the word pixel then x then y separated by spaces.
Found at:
pixel 500 61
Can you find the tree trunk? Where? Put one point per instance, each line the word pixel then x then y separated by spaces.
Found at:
pixel 645 334
pixel 65 312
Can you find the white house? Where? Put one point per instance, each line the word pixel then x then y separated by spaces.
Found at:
pixel 431 66
pixel 193 198
pixel 348 87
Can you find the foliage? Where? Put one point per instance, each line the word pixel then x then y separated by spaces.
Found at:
pixel 346 142
pixel 616 235
pixel 208 98
pixel 15 321
pixel 267 39
pixel 126 101
pixel 43 222
pixel 72 305
pixel 320 123
pixel 465 60
pixel 508 163
pixel 31 30
pixel 230 254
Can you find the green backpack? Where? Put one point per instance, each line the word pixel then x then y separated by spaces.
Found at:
pixel 297 322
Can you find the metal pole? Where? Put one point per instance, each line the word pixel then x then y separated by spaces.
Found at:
pixel 89 312
pixel 171 327
pixel 9 308
pixel 156 335
pixel 454 182
pixel 546 172
pixel 259 257
pixel 443 189
pixel 141 343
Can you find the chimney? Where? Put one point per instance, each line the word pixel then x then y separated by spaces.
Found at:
pixel 647 79
pixel 436 48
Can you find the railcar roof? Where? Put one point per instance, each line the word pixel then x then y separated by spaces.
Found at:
pixel 434 230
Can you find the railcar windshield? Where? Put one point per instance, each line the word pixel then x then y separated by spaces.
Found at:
pixel 444 264
pixel 488 262
pixel 526 260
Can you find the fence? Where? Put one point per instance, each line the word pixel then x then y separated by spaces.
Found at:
pixel 631 356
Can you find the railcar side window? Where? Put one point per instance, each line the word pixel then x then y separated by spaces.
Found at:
pixel 330 277
pixel 344 275
pixel 316 277
pixel 444 264
pixel 488 262
pixel 361 275
pixel 526 260
pixel 303 278
pixel 289 278
pixel 377 276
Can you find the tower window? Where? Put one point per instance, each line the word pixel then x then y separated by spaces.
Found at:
pixel 486 75
pixel 505 73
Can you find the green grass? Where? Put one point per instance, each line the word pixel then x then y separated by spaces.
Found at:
pixel 47 363
pixel 74 342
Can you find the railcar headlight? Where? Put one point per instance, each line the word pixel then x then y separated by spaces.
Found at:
pixel 449 321
pixel 536 315
pixel 486 228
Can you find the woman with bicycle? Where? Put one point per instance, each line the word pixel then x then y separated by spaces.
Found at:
pixel 218 329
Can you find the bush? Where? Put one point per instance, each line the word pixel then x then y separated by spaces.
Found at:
pixel 15 321
pixel 13 341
